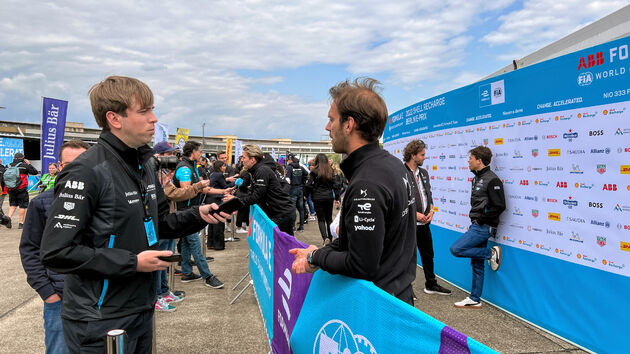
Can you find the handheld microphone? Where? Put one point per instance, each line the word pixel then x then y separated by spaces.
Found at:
pixel 237 183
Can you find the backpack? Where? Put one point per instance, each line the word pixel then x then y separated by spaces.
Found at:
pixel 11 176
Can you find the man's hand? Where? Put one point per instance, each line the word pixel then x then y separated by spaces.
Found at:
pixel 227 190
pixel 208 214
pixel 27 162
pixel 430 216
pixel 52 299
pixel 300 265
pixel 148 261
pixel 421 218
pixel 231 179
pixel 205 182
pixel 227 197
pixel 167 177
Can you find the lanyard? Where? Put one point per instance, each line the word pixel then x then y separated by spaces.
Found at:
pixel 138 181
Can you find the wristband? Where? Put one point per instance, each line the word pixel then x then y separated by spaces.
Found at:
pixel 309 257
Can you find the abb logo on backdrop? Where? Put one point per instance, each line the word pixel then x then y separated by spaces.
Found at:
pixel 591 60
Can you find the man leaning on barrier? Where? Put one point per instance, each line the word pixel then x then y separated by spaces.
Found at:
pixel 103 226
pixel 487 202
pixel 377 239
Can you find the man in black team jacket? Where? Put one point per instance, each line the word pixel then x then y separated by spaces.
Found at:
pixel 487 202
pixel 103 225
pixel 377 229
pixel 266 189
pixel 414 156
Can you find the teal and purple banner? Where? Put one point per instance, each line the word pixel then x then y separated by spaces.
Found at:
pixel 260 240
pixel 53 127
pixel 289 290
pixel 345 315
pixel 324 313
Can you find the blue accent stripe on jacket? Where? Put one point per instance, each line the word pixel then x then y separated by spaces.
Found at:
pixel 106 281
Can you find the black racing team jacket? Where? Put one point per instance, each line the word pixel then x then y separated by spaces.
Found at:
pixel 487 199
pixel 266 191
pixel 95 229
pixel 377 232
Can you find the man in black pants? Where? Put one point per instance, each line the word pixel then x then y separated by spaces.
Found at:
pixel 414 156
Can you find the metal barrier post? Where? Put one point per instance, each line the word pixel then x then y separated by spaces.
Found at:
pixel 154 340
pixel 250 283
pixel 240 281
pixel 171 276
pixel 116 341
pixel 204 244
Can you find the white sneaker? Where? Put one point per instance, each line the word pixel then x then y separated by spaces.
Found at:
pixel 495 259
pixel 241 230
pixel 468 303
pixel 311 218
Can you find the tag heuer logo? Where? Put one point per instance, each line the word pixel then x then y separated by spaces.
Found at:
pixel 601 241
pixel 535 213
pixel 68 205
pixel 535 152
pixel 601 169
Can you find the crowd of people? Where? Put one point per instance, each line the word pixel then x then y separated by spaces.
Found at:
pixel 109 218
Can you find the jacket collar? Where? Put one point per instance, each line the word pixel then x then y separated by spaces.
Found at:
pixel 130 155
pixel 357 157
pixel 482 171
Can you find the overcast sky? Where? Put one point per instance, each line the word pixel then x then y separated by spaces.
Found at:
pixel 262 69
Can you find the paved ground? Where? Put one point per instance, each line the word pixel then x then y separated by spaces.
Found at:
pixel 205 322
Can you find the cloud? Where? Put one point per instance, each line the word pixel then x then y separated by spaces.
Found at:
pixel 190 54
pixel 541 22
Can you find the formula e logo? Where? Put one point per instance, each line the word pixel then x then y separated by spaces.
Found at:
pixel 365 207
pixel 74 185
pixel 336 337
pixel 585 78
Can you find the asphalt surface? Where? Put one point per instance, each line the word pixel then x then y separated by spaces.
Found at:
pixel 205 322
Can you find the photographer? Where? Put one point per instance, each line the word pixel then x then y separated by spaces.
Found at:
pixel 186 174
pixel 104 222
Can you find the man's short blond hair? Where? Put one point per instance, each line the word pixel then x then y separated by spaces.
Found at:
pixel 253 151
pixel 116 94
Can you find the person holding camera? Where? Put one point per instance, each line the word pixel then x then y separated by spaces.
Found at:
pixel 104 223
pixel 187 174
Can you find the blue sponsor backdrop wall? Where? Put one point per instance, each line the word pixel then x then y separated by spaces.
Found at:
pixel 559 134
